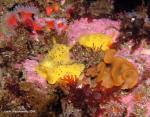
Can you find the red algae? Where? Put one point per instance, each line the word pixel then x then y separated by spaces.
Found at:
pixel 81 97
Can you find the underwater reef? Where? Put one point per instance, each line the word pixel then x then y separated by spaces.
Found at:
pixel 75 58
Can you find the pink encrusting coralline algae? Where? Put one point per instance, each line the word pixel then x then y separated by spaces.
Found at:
pixel 129 102
pixel 31 75
pixel 137 98
pixel 140 95
pixel 82 27
pixel 140 58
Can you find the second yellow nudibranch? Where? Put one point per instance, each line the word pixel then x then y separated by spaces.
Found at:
pixel 96 41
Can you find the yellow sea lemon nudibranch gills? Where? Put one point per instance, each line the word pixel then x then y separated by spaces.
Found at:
pixel 54 73
pixel 58 72
pixel 96 41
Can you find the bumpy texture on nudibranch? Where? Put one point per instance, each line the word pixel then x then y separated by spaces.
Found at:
pixel 58 64
pixel 96 41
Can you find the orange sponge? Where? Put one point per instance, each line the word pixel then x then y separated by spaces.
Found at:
pixel 108 58
pixel 115 71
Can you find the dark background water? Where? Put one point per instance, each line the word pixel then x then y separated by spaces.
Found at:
pixel 129 5
pixel 126 5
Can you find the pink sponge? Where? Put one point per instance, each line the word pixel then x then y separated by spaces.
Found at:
pixel 31 75
pixel 82 27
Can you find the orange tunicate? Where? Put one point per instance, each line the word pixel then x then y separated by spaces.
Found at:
pixel 114 71
pixel 105 79
pixel 130 77
pixel 108 58
pixel 100 69
pixel 124 73
pixel 128 64
pixel 117 70
pixel 91 72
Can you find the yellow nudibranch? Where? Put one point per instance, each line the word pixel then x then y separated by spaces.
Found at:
pixel 59 54
pixel 55 74
pixel 57 64
pixel 96 41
